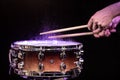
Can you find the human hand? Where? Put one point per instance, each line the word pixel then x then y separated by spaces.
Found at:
pixel 102 24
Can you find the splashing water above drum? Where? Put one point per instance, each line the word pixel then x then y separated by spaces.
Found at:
pixel 46 43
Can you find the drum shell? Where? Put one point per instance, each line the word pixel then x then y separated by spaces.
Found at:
pixel 32 62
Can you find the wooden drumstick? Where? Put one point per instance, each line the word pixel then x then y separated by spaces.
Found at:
pixel 64 29
pixel 72 35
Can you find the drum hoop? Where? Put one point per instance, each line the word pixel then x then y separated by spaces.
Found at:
pixel 44 74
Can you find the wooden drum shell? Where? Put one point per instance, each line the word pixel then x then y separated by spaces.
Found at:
pixel 32 62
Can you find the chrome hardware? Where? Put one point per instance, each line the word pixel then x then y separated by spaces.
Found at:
pixel 40 49
pixel 41 67
pixel 41 56
pixel 78 54
pixel 14 62
pixel 20 54
pixel 81 60
pixel 63 55
pixel 79 63
pixel 62 66
pixel 25 72
pixel 63 48
pixel 13 53
pixel 80 47
pixel 81 51
pixel 20 65
pixel 20 72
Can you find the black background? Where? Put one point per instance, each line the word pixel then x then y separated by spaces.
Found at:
pixel 25 19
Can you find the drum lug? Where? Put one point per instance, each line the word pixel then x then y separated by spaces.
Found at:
pixel 20 55
pixel 41 67
pixel 80 47
pixel 81 60
pixel 14 62
pixel 20 65
pixel 13 53
pixel 63 48
pixel 63 55
pixel 81 51
pixel 41 56
pixel 79 63
pixel 62 67
pixel 78 54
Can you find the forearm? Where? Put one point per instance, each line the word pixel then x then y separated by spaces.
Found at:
pixel 113 10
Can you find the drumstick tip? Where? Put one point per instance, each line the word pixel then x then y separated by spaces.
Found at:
pixel 51 37
pixel 43 33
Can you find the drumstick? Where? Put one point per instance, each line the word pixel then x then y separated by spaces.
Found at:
pixel 72 35
pixel 64 29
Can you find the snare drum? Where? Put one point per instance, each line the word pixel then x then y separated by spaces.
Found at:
pixel 46 58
